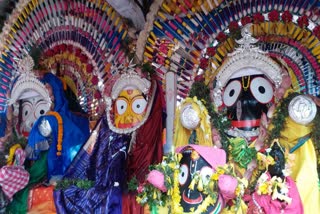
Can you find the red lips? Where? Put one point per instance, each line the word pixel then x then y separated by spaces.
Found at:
pixel 197 200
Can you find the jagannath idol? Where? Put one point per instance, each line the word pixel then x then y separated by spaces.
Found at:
pixel 28 100
pixel 254 93
pixel 194 179
pixel 126 140
pixel 245 86
pixel 54 140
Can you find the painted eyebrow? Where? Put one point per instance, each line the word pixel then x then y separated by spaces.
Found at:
pixel 122 98
pixel 140 95
pixel 25 101
pixel 28 101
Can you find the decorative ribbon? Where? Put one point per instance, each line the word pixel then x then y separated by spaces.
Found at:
pixel 300 143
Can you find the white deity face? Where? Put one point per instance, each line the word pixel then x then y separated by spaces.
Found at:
pixel 30 110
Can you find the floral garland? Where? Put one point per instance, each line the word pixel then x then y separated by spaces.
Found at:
pixel 151 195
pixel 221 123
pixel 60 130
pixel 266 186
pixel 278 124
pixel 170 195
pixel 279 118
pixel 268 160
pixel 228 169
pixel 219 120
pixel 209 188
pixel 275 186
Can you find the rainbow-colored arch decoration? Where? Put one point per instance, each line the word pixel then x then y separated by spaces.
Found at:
pixel 83 37
pixel 191 27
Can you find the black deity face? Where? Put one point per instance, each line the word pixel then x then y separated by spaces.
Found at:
pixel 246 98
pixel 190 164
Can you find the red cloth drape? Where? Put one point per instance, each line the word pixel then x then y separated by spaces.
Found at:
pixel 147 150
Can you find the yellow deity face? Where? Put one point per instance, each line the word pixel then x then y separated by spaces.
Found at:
pixel 129 109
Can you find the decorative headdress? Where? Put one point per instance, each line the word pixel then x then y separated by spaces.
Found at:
pixel 27 85
pixel 247 59
pixel 129 79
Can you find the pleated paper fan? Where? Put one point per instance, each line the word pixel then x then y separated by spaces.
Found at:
pixel 86 37
pixel 200 34
pixel 81 36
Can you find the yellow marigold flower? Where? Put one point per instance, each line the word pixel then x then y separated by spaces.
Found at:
pixel 263 189
pixel 220 171
pixel 195 99
pixel 238 190
pixel 261 156
pixel 172 165
pixel 215 177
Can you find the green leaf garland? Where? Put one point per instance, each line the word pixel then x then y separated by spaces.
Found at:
pixel 218 119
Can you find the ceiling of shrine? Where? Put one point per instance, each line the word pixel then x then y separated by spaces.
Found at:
pixel 89 40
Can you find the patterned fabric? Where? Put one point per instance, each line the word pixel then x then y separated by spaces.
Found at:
pixel 41 200
pixel 105 165
pixel 38 174
pixel 13 179
pixel 104 160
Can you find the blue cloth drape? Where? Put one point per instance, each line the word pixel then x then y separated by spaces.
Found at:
pixel 105 165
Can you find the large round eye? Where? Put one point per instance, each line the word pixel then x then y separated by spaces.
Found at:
pixel 205 174
pixel 41 109
pixel 231 93
pixel 121 106
pixel 183 175
pixel 139 105
pixel 261 89
pixel 26 110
